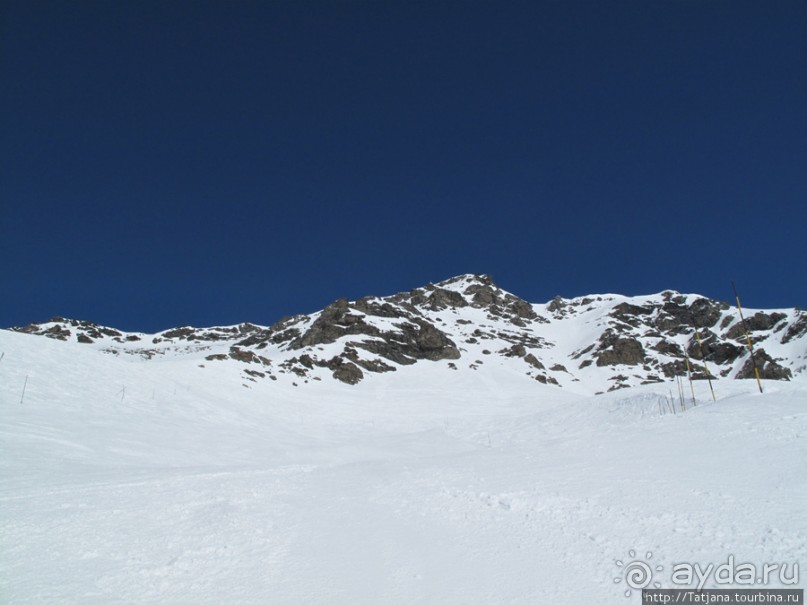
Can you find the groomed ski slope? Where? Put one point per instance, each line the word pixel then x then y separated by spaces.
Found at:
pixel 123 481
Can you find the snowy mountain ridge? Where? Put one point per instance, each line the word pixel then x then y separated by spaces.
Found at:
pixel 379 454
pixel 589 344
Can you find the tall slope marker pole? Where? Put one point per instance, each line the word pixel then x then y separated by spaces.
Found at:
pixel 689 375
pixel 705 367
pixel 747 337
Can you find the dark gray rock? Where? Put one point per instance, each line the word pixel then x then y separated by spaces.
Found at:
pixel 371 306
pixel 520 308
pixel 675 317
pixel 713 349
pixel 433 343
pixel 183 333
pixel 483 295
pixel 759 322
pixel 395 351
pixel 334 321
pixel 679 368
pixel 630 314
pixel 667 347
pixel 445 299
pixel 723 352
pixel 557 306
pixel 582 352
pixel 768 367
pixel 517 350
pixel 348 372
pixel 705 313
pixel 764 321
pixel 247 356
pixel 796 329
pixel 417 339
pixel 374 365
pixel 57 332
pixel 616 350
pixel 533 361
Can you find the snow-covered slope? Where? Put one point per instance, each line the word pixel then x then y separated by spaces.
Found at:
pixel 148 469
pixel 588 345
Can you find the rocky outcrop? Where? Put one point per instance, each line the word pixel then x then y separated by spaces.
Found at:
pixel 348 372
pixel 714 349
pixel 62 329
pixel 335 320
pixel 416 340
pixel 217 334
pixel 247 356
pixel 676 317
pixel 768 367
pixel 414 337
pixel 797 329
pixel 619 350
pixel 759 322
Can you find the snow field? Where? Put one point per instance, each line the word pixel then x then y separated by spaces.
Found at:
pixel 457 487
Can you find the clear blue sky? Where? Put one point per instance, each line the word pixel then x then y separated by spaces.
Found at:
pixel 167 163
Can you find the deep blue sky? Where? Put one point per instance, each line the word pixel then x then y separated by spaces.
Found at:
pixel 166 163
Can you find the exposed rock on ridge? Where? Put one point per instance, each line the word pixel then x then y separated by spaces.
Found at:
pixel 468 322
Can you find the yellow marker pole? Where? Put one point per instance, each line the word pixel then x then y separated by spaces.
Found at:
pixel 747 337
pixel 705 367
pixel 689 375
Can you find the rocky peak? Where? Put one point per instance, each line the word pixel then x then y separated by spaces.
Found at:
pixel 477 291
pixel 462 282
pixel 61 328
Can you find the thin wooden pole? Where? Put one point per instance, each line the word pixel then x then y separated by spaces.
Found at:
pixel 689 375
pixel 705 366
pixel 747 337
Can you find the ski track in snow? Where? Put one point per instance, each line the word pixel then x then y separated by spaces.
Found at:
pixel 187 488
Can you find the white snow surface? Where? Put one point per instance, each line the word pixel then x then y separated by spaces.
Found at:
pixel 124 480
